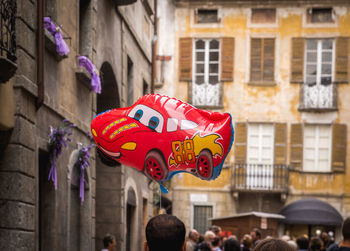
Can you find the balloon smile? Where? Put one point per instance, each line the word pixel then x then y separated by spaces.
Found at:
pixel 112 154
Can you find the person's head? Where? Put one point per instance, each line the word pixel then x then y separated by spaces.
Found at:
pixel 231 244
pixel 247 241
pixel 256 234
pixel 272 244
pixel 315 244
pixel 216 230
pixel 109 242
pixel 165 232
pixel 209 236
pixel 293 245
pixel 346 229
pixel 204 246
pixel 216 242
pixel 285 238
pixel 193 235
pixel 303 243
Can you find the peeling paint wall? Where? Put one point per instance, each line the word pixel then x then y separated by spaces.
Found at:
pixel 278 103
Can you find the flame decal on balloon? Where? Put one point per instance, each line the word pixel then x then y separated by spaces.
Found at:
pixel 200 143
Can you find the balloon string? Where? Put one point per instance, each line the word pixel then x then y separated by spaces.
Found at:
pixel 160 199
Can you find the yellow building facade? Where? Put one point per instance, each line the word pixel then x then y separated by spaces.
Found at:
pixel 282 71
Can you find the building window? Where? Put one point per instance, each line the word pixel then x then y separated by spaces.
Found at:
pixel 145 89
pixel 263 16
pixel 201 214
pixel 318 89
pixel 317 148
pixel 206 64
pixel 205 16
pixel 130 82
pixel 262 60
pixel 260 156
pixel 260 144
pixel 85 45
pixel 320 15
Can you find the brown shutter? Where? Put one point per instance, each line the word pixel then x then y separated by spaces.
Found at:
pixel 280 143
pixel 338 147
pixel 269 59
pixel 296 146
pixel 185 59
pixel 255 59
pixel 297 64
pixel 227 55
pixel 241 143
pixel 341 60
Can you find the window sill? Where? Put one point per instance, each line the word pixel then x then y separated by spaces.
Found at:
pixel 314 172
pixel 318 110
pixel 83 77
pixel 50 45
pixel 262 83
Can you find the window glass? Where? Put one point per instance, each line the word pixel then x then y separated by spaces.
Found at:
pixel 172 125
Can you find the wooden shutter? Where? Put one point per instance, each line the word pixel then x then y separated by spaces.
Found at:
pixel 227 56
pixel 255 59
pixel 296 146
pixel 185 59
pixel 341 60
pixel 280 143
pixel 268 60
pixel 338 147
pixel 241 143
pixel 262 60
pixel 297 64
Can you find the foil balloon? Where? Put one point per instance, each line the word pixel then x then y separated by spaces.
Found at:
pixel 162 136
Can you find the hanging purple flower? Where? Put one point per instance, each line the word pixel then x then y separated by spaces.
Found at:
pixel 57 139
pixel 91 68
pixel 83 163
pixel 61 46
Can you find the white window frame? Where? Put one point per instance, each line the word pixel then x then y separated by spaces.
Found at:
pixel 316 149
pixel 206 65
pixel 193 204
pixel 260 141
pixel 319 59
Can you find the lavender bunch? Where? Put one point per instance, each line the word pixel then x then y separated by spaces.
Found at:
pixel 82 163
pixel 58 138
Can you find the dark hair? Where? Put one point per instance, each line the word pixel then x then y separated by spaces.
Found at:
pixel 257 232
pixel 315 244
pixel 108 239
pixel 346 229
pixel 231 244
pixel 215 229
pixel 215 242
pixel 303 243
pixel 272 244
pixel 204 246
pixel 165 232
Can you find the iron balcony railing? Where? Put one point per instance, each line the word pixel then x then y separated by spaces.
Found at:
pixel 318 97
pixel 7 32
pixel 260 177
pixel 7 40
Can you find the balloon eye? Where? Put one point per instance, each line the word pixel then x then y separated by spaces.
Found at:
pixel 153 122
pixel 138 114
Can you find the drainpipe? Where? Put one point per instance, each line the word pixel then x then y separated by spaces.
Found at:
pixel 40 53
pixel 154 46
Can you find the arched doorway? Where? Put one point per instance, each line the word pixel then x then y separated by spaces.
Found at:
pixel 108 179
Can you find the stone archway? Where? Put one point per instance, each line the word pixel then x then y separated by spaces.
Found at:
pixel 108 179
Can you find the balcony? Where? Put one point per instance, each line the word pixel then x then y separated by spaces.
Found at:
pixel 7 40
pixel 318 98
pixel 260 178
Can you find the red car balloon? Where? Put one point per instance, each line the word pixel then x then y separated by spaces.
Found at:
pixel 162 136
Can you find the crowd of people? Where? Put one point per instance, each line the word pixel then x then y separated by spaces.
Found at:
pixel 168 233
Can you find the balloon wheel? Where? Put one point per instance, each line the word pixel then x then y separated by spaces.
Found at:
pixel 205 165
pixel 154 169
